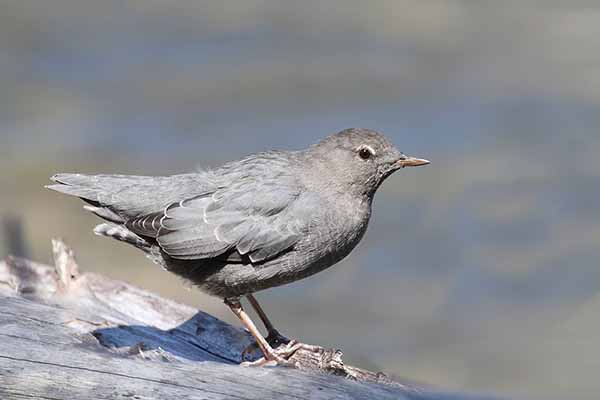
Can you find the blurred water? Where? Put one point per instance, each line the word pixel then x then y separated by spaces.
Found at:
pixel 478 272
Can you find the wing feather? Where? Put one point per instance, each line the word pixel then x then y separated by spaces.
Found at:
pixel 244 218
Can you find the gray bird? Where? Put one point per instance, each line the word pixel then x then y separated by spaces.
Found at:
pixel 266 220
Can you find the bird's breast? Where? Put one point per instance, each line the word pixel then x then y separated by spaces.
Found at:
pixel 331 236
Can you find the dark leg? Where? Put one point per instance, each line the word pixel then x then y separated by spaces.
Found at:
pixel 261 313
pixel 273 336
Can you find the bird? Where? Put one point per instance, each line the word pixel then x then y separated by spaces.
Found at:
pixel 265 220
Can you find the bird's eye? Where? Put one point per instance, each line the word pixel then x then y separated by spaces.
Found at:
pixel 365 153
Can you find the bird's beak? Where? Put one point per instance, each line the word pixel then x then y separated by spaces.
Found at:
pixel 411 162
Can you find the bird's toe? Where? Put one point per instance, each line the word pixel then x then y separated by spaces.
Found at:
pixel 273 360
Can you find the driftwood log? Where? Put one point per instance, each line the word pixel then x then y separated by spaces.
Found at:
pixel 71 335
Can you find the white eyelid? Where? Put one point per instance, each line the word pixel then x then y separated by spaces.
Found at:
pixel 366 146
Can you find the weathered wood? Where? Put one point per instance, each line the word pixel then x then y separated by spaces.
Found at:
pixel 71 335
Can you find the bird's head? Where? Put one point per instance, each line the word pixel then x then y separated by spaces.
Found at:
pixel 359 160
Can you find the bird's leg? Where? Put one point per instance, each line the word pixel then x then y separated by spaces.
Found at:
pixel 270 357
pixel 274 338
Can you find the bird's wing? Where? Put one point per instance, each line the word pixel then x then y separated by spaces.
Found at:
pixel 246 218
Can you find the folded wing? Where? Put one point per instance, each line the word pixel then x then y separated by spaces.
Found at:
pixel 245 219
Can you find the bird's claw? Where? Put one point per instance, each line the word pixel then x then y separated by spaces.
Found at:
pixel 282 354
pixel 274 338
pixel 293 346
pixel 272 361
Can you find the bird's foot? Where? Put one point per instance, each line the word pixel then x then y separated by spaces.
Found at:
pixel 274 338
pixel 272 361
pixel 282 355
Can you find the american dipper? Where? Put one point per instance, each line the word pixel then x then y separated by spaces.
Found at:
pixel 263 221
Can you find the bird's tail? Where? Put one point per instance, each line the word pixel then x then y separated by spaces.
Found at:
pixel 87 187
pixel 114 198
pixel 109 196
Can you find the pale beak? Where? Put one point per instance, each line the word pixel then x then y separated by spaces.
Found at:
pixel 412 162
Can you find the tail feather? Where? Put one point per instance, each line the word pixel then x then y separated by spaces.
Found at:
pixel 88 188
pixel 122 234
pixel 96 181
pixel 83 186
pixel 105 213
pixel 119 198
pixel 73 179
pixel 97 188
pixel 113 197
pixel 84 193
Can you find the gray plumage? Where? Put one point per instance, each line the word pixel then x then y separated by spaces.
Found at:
pixel 263 221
